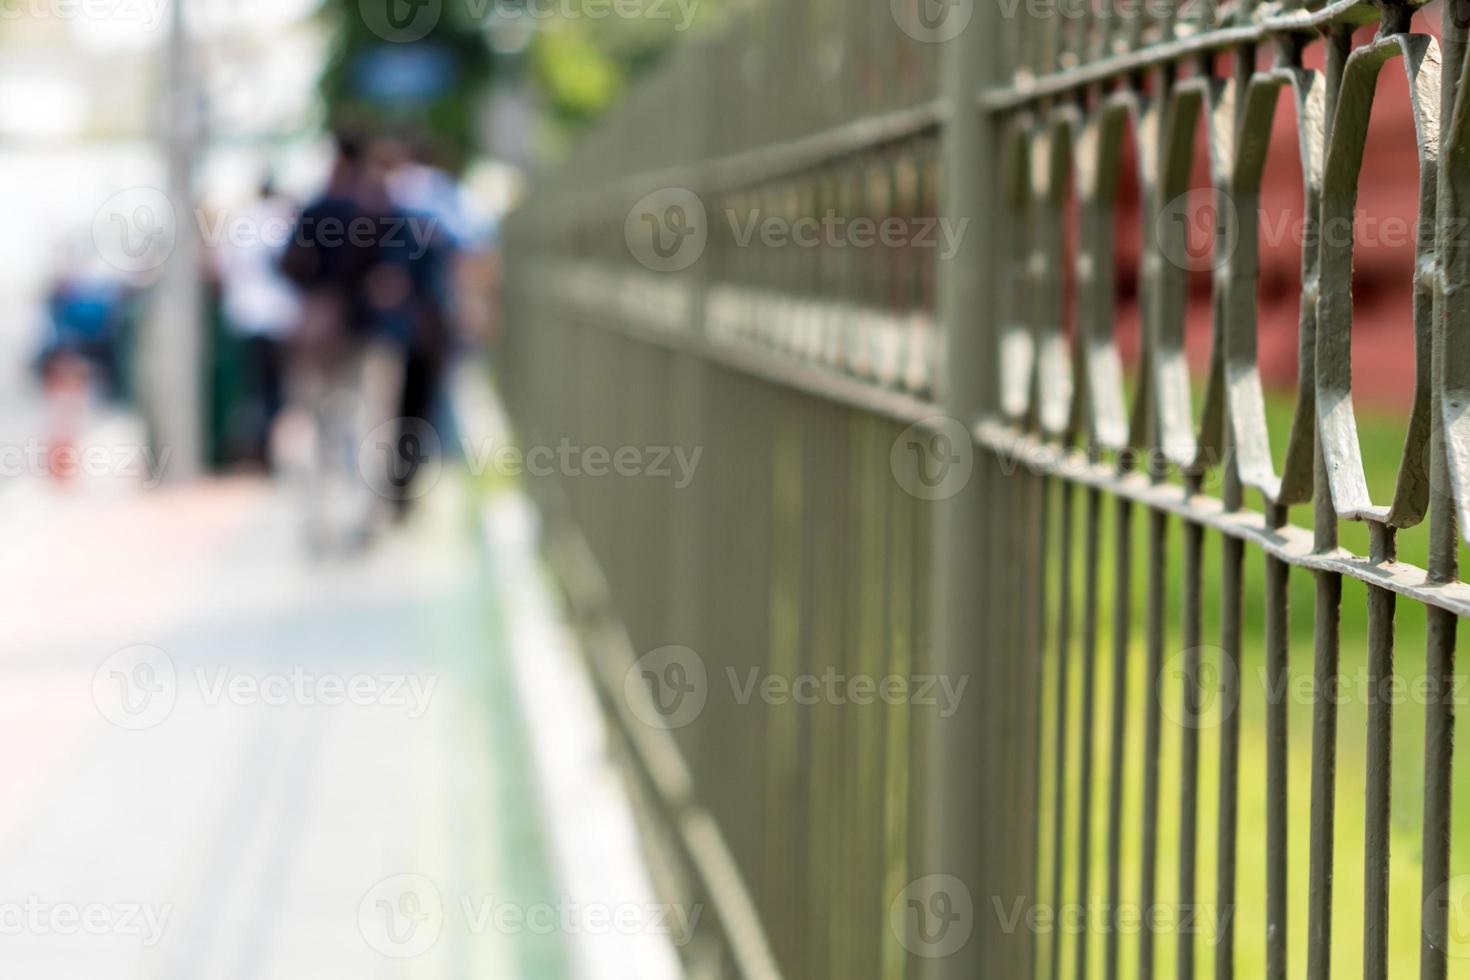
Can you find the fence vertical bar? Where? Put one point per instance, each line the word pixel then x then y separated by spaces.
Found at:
pixel 1158 588
pixel 1439 659
pixel 1378 799
pixel 1122 626
pixel 965 389
pixel 1063 645
pixel 1325 658
pixel 1278 648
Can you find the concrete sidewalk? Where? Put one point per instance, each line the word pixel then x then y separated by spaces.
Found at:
pixel 226 761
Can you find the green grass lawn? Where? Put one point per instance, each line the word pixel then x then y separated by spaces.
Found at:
pixel 1382 439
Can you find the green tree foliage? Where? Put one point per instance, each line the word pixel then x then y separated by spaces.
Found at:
pixel 449 114
pixel 579 57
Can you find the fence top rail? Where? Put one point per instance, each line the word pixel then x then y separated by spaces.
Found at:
pixel 1266 27
pixel 763 165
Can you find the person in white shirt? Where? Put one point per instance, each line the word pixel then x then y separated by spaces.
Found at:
pixel 261 307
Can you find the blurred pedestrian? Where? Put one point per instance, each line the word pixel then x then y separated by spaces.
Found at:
pixel 331 256
pixel 431 200
pixel 89 311
pixel 371 340
pixel 262 307
pixel 89 314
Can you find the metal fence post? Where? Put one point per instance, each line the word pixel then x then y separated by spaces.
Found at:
pixel 960 767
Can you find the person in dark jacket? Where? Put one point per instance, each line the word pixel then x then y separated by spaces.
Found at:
pixel 334 258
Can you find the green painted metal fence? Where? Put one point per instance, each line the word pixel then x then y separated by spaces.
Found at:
pixel 851 267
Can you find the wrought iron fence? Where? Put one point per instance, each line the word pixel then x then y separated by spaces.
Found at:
pixel 873 304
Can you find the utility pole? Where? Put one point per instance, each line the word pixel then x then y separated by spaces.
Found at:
pixel 175 348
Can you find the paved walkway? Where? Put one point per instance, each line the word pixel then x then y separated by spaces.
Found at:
pixel 223 760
